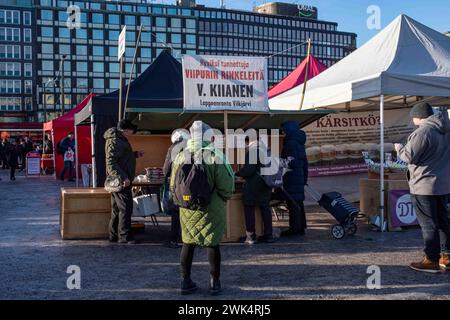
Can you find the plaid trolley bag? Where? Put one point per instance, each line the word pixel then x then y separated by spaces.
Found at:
pixel 343 211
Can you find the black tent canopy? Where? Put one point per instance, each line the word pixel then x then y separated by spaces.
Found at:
pixel 155 104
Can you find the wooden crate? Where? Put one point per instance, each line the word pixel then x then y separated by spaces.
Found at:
pixel 369 193
pixel 235 227
pixel 85 213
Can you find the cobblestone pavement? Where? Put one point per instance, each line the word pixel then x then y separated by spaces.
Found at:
pixel 34 259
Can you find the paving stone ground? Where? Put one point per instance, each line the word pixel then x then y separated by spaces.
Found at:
pixel 34 259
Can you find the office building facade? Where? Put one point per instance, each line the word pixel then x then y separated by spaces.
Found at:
pixel 74 44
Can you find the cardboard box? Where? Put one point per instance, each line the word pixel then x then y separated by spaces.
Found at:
pixel 235 228
pixel 85 213
pixel 369 195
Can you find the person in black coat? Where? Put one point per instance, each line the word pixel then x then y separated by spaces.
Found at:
pixel 12 156
pixel 179 140
pixel 296 177
pixel 3 154
pixel 255 193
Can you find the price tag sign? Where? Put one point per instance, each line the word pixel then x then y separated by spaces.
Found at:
pixel 33 164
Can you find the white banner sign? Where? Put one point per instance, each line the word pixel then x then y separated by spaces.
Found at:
pixel 225 83
pixel 121 43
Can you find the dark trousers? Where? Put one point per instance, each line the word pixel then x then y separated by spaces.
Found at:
pixel 68 165
pixel 122 209
pixel 266 216
pixel 175 226
pixel 432 215
pixel 297 218
pixel 12 173
pixel 187 256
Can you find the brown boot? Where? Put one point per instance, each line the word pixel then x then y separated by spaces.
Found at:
pixel 426 265
pixel 444 262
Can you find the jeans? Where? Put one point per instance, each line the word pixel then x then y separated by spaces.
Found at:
pixel 297 217
pixel 432 215
pixel 187 256
pixel 266 215
pixel 122 209
pixel 67 165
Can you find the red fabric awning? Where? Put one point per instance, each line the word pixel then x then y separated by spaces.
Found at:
pixel 297 76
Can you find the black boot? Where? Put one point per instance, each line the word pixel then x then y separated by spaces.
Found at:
pixel 214 286
pixel 188 286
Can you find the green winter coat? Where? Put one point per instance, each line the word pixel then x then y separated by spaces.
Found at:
pixel 120 158
pixel 206 228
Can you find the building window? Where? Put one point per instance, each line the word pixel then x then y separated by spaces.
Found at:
pixel 28 86
pixel 99 83
pixel 97 50
pixel 10 69
pixel 97 34
pixel 10 104
pixel 64 33
pixel 161 37
pixel 9 51
pixel 161 22
pixel 28 69
pixel 146 53
pixel 191 39
pixel 176 38
pixel 10 34
pixel 98 67
pixel 113 35
pixel 130 20
pixel 114 67
pixel 27 53
pixel 146 21
pixel 97 18
pixel 190 24
pixel 47 48
pixel 81 34
pixel 47 65
pixel 114 83
pixel 81 66
pixel 113 19
pixel 47 32
pixel 113 51
pixel 146 37
pixel 81 50
pixel 27 18
pixel 82 83
pixel 175 23
pixel 131 36
pixel 64 49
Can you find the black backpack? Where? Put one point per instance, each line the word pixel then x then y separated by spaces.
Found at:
pixel 191 188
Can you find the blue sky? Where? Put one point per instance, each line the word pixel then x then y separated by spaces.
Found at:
pixel 351 15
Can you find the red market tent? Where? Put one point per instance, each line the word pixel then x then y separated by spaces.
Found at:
pixel 59 129
pixel 297 76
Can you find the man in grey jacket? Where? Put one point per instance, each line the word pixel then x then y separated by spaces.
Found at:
pixel 427 153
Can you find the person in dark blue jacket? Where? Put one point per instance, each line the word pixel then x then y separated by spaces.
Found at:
pixel 68 143
pixel 296 177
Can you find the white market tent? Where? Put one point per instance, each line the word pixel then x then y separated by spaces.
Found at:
pixel 405 62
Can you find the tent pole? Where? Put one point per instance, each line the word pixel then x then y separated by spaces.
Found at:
pixel 76 156
pixel 132 69
pixel 54 153
pixel 225 125
pixel 93 170
pixel 382 162
pixel 120 88
pixel 306 73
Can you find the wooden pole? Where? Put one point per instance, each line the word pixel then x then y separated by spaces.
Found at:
pixel 306 73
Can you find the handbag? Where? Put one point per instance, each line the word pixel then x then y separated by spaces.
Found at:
pixel 167 204
pixel 113 184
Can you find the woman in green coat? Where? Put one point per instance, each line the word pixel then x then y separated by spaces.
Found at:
pixel 204 227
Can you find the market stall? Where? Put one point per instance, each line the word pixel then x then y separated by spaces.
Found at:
pixel 404 63
pixel 156 105
pixel 59 128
